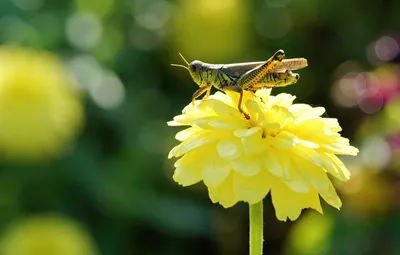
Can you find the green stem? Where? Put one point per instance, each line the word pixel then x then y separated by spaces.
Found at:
pixel 256 228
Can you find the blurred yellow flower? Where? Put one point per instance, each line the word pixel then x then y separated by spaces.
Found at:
pixel 40 112
pixel 284 148
pixel 204 28
pixel 47 235
pixel 368 194
pixel 311 235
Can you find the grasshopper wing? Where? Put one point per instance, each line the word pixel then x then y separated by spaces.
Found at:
pixel 291 64
pixel 237 69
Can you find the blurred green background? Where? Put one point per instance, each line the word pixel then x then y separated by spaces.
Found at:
pixel 85 171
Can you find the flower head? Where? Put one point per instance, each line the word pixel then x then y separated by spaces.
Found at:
pixel 40 112
pixel 284 148
pixel 47 235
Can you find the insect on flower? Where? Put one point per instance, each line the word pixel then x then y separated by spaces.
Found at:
pixel 275 72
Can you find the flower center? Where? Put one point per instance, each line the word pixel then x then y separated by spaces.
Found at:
pixel 271 129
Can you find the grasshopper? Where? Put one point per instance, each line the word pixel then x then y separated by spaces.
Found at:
pixel 275 72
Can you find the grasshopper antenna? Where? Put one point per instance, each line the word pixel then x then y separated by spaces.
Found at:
pixel 183 60
pixel 180 66
pixel 187 63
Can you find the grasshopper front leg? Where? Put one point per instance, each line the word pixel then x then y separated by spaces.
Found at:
pixel 255 75
pixel 200 92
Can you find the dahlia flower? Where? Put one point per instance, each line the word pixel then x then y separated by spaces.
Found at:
pixel 284 149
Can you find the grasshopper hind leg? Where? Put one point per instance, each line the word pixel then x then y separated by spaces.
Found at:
pixel 255 75
pixel 279 55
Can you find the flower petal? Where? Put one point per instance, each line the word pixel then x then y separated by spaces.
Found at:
pixel 298 109
pixel 332 124
pixel 247 96
pixel 315 175
pixel 223 97
pixel 173 123
pixel 283 99
pixel 330 196
pixel 280 164
pixel 340 149
pixel 187 173
pixel 310 113
pixel 224 194
pixel 215 170
pixel 224 124
pixel 214 176
pixel 195 141
pixel 264 94
pixel 181 120
pixel 226 111
pixel 284 140
pixel 186 133
pixel 289 204
pixel 296 182
pixel 204 108
pixel 274 162
pixel 307 153
pixel 216 122
pixel 306 130
pixel 252 189
pixel 247 165
pixel 280 115
pixel 229 148
pixel 254 144
pixel 245 132
pixel 335 167
pixel 255 112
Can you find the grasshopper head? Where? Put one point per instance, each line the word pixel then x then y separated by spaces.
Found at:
pixel 288 78
pixel 194 69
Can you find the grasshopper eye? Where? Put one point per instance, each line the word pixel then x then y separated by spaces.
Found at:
pixel 192 67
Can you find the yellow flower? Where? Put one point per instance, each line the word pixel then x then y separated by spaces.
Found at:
pixel 311 235
pixel 284 148
pixel 190 17
pixel 369 194
pixel 40 112
pixel 47 235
